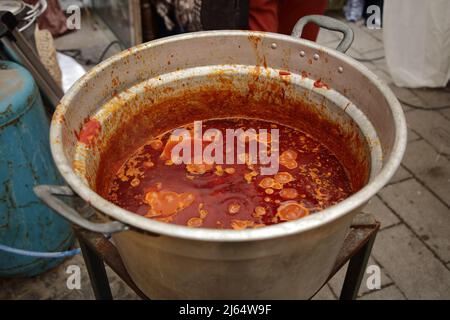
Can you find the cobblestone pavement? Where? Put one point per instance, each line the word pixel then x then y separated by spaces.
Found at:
pixel 412 249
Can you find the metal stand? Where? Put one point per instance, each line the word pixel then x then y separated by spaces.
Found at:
pixel 97 250
pixel 97 273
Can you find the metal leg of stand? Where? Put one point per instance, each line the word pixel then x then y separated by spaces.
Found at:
pixel 97 273
pixel 355 271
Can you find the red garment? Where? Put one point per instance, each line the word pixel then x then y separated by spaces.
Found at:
pixel 281 15
pixel 263 15
pixel 52 19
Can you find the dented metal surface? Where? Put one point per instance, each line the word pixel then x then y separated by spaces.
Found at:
pixel 303 81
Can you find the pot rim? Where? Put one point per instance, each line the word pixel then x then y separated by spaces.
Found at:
pixel 204 234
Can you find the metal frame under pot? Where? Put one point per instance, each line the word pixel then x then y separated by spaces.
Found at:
pixel 98 250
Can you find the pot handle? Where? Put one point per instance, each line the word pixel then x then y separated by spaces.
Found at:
pixel 329 24
pixel 48 193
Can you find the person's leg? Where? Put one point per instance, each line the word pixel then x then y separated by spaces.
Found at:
pixel 290 11
pixel 263 15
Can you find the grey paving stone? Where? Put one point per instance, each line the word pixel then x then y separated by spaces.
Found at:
pixel 376 33
pixel 423 212
pixel 405 107
pixel 58 281
pixel 5 292
pixel 7 285
pixel 381 212
pixel 369 65
pixel 400 175
pixel 364 41
pixel 324 294
pixel 365 57
pixel 34 293
pixel 388 293
pixel 433 127
pixel 406 95
pixel 121 291
pixel 325 37
pixel 411 265
pixel 53 285
pixel 412 136
pixel 424 98
pixel 380 70
pixel 381 64
pixel 28 288
pixel 383 76
pixel 337 281
pixel 445 113
pixel 431 168
pixel 434 97
pixel 427 98
pixel 332 44
pixel 82 294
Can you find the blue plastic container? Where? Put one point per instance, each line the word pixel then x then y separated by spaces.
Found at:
pixel 25 161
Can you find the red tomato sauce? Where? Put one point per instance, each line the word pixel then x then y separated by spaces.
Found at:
pixel 89 132
pixel 230 196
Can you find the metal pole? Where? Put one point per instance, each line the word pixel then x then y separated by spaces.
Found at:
pixel 355 271
pixel 97 272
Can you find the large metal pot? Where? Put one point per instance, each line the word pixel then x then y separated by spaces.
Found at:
pixel 288 260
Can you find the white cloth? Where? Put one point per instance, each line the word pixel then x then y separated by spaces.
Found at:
pixel 416 36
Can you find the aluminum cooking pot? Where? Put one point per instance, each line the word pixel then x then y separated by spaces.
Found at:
pixel 287 260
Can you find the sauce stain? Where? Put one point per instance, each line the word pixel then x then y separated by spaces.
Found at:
pixel 89 132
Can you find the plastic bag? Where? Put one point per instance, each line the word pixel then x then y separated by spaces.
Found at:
pixel 416 36
pixel 353 10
